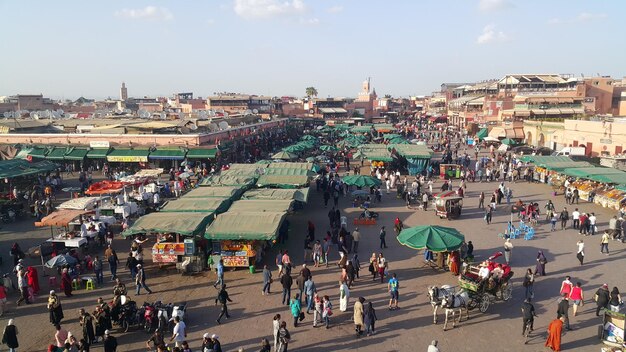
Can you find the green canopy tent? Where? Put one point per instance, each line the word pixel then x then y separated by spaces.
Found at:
pixel 509 142
pixel 284 156
pixel 308 137
pixel 184 223
pixel 310 159
pixel 484 132
pixel 293 165
pixel 417 156
pixel 621 187
pixel 240 172
pixel 361 181
pixel 261 205
pixel 587 172
pixel 228 181
pixel 290 172
pixel 434 238
pixel 301 195
pixel 361 129
pixel 246 166
pixel 389 136
pixel 264 161
pixel 282 181
pixel 197 205
pixel 398 140
pixel 328 148
pixel 229 192
pixel 245 226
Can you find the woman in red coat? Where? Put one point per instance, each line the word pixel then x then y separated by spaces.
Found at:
pixel 33 279
pixel 455 258
pixel 66 283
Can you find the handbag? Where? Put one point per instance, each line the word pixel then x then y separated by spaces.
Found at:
pixel 595 297
pixel 301 316
pixel 329 312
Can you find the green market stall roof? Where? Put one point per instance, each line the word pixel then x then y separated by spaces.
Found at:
pixel 197 205
pixel 98 153
pixel 230 192
pixel 188 224
pixel 240 172
pixel 246 166
pixel 540 159
pixel 228 181
pixel 127 155
pixel 56 153
pixel 413 151
pixel 295 165
pixel 200 153
pixel 389 136
pixel 361 129
pixel 281 181
pixel 167 154
pixel 484 132
pixel 74 153
pixel 261 205
pixel 36 152
pixel 289 172
pixel 588 172
pixel 20 167
pixel 301 195
pixel 245 226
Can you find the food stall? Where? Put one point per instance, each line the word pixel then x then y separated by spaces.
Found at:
pixel 300 195
pixel 611 198
pixel 612 332
pixel 172 230
pixel 449 171
pixel 584 187
pixel 229 192
pixel 261 205
pixel 239 238
pixel 66 237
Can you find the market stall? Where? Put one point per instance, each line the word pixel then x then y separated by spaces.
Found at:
pixel 280 181
pixel 198 205
pixel 215 181
pixel 261 205
pixel 610 197
pixel 585 187
pixel 65 237
pixel 239 238
pixel 230 192
pixel 300 195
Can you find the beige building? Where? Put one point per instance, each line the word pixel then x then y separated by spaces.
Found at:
pixel 601 137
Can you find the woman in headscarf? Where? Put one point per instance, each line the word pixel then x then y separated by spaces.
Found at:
pixel 616 300
pixel 540 268
pixel 344 296
pixel 369 318
pixel 66 283
pixel 33 279
pixel 55 309
pixel 358 316
pixel 454 263
pixel 9 337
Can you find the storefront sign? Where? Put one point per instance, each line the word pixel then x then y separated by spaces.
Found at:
pixel 164 258
pixel 236 261
pixel 169 248
pixel 127 159
pixel 606 141
pixel 99 144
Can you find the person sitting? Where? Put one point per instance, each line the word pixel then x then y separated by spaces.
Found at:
pixel 484 272
pixel 497 273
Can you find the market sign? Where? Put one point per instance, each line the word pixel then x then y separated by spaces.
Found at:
pixel 164 258
pixel 236 261
pixel 168 248
pixel 99 144
pixel 127 158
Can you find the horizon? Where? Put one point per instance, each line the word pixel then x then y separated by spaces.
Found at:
pixel 280 47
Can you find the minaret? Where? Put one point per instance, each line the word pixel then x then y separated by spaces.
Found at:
pixel 123 92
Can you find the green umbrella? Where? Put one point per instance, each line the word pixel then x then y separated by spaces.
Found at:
pixel 284 156
pixel 434 238
pixel 509 141
pixel 310 159
pixel 361 181
pixel 328 148
pixel 308 137
pixel 358 155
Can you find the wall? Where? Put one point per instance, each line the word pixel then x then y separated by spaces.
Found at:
pixel 604 137
pixel 601 88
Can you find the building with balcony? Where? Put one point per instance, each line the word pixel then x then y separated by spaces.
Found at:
pixel 529 84
pixel 548 107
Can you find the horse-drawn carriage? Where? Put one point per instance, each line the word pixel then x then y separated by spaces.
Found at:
pixel 476 290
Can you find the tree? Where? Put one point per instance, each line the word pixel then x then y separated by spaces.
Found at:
pixel 311 92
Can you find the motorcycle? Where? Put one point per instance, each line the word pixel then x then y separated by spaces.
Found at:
pixel 149 317
pixel 128 315
pixel 368 214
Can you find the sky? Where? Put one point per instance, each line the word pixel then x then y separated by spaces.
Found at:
pixel 71 48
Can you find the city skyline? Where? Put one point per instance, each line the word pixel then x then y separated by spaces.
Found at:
pixel 272 47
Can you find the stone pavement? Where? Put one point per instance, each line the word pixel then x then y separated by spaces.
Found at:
pixel 407 329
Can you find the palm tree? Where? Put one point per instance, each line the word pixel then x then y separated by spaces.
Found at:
pixel 311 92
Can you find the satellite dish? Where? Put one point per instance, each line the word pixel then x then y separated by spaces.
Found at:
pixel 192 126
pixel 226 115
pixel 127 111
pixel 67 115
pixel 211 113
pixel 255 111
pixel 247 112
pixel 163 116
pixel 7 115
pixel 60 111
pixel 213 127
pixel 224 125
pixel 55 115
pixel 32 114
pixel 202 115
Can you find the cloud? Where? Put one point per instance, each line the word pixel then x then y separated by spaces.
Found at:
pixel 310 21
pixel 210 22
pixel 495 5
pixel 335 9
pixel 491 35
pixel 151 13
pixel 265 9
pixel 583 17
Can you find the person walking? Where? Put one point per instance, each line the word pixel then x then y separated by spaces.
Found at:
pixel 434 343
pixel 344 296
pixel 529 281
pixel 369 319
pixel 604 243
pixel 576 219
pixel 113 262
pixel 564 217
pixel 566 286
pixel 577 297
pixel 223 299
pixel 488 214
pixel 615 301
pixel 296 308
pixel 373 267
pixel 393 286
pixel 528 315
pixel 140 280
pixel 481 200
pixel 110 342
pixel 382 236
pixel 356 237
pixel 508 250
pixel 580 253
pixel 86 322
pixel 179 333
pixel 283 337
pixel 267 280
pixel 327 311
pixel 592 224
pixel 22 283
pixel 220 274
pixel 602 298
pixel 358 316
pixel 382 267
pixel 55 308
pixel 286 281
pixel 553 220
pixel 275 328
pixel 555 330
pixel 562 310
pixel 309 291
pixel 540 268
pixel 9 336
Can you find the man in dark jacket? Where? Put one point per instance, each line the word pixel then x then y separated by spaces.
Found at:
pixel 300 280
pixel 564 217
pixel 528 313
pixel 562 310
pixel 223 298
pixel 110 342
pixel 603 298
pixel 286 281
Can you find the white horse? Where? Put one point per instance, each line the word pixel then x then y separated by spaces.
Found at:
pixel 453 303
pixel 436 294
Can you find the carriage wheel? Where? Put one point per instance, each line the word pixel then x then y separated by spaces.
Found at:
pixel 484 303
pixel 507 292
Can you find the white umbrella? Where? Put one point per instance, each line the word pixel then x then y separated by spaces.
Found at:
pixel 491 139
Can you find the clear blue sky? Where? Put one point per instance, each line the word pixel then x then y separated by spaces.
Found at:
pixel 278 47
